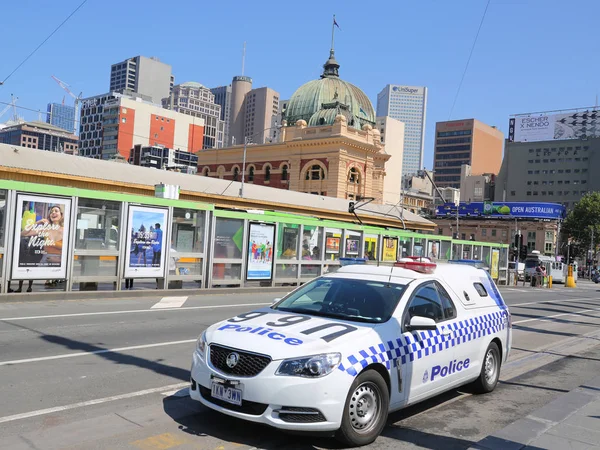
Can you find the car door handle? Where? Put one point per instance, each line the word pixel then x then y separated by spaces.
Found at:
pixel 446 333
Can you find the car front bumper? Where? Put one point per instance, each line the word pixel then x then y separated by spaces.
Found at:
pixel 285 402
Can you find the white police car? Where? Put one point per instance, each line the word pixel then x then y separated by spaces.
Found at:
pixel 342 351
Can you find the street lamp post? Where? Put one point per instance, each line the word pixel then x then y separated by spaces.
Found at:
pixel 248 139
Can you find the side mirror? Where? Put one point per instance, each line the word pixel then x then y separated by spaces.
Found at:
pixel 421 323
pixel 275 301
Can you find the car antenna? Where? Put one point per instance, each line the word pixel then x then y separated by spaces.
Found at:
pixel 390 278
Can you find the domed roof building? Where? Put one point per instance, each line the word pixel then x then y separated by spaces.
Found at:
pixel 310 99
pixel 328 144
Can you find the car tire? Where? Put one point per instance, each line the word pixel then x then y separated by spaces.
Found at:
pixel 490 370
pixel 365 411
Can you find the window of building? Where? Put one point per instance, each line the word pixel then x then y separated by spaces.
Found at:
pixel 535 192
pixel 316 172
pixel 536 172
pixel 236 173
pixel 513 193
pixel 550 192
pixel 251 173
pixel 528 183
pixel 268 173
pixel 494 232
pixel 530 161
pixel 530 172
pixel 536 183
pixel 353 176
pixel 284 173
pixel 548 247
pixel 484 231
pixel 529 193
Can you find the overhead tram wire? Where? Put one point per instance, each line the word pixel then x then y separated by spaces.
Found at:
pixel 469 59
pixel 44 41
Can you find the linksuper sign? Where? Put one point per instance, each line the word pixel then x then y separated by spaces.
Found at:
pixel 522 210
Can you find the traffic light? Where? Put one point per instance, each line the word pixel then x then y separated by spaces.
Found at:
pixel 523 252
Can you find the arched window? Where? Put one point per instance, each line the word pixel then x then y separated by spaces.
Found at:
pixel 316 172
pixel 267 173
pixel 251 173
pixel 284 173
pixel 236 173
pixel 221 172
pixel 353 176
pixel 206 172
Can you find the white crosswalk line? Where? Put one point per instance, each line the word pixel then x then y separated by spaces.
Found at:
pixel 170 302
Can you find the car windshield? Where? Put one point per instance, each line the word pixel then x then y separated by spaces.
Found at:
pixel 343 298
pixel 530 263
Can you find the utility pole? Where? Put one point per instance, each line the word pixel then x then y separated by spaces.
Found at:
pixel 591 253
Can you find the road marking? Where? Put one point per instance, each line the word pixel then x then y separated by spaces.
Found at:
pixel 556 315
pixel 170 302
pixel 163 441
pixel 95 352
pixel 131 311
pixel 41 412
pixel 552 301
pixel 177 392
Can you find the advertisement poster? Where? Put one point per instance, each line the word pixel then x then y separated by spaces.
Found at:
pixel 352 246
pixel 495 260
pixel 509 210
pixel 260 252
pixel 433 250
pixel 546 127
pixel 390 249
pixel 41 238
pixel 145 256
pixel 332 245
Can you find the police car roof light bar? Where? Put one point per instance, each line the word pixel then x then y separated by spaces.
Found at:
pixel 421 267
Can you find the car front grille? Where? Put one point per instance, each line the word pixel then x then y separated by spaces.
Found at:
pixel 301 415
pixel 248 365
pixel 247 407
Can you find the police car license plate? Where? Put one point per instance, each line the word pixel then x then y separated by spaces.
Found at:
pixel 226 393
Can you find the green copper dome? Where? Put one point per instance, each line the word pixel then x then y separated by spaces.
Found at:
pixel 313 96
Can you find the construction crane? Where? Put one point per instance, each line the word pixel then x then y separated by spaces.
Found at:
pixel 77 99
pixel 13 105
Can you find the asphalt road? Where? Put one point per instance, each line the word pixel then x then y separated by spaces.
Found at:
pixel 113 374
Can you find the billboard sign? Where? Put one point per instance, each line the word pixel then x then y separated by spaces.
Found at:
pixel 41 238
pixel 509 210
pixel 145 257
pixel 548 127
pixel 260 251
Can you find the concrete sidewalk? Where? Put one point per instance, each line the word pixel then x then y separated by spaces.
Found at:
pixel 572 421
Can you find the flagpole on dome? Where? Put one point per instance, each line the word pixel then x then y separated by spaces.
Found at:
pixel 333 25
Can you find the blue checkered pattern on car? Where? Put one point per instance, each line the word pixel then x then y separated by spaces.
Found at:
pixel 409 347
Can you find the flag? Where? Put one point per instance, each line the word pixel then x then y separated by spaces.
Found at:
pixel 335 23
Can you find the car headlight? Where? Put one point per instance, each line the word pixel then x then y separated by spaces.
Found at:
pixel 310 366
pixel 201 344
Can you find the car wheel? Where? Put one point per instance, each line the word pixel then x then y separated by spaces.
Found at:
pixel 490 370
pixel 366 410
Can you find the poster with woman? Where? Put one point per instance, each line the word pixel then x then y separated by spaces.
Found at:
pixel 433 250
pixel 41 238
pixel 260 251
pixel 145 242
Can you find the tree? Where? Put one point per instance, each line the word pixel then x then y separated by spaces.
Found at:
pixel 581 221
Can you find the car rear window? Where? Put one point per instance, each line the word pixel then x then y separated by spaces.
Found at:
pixel 480 288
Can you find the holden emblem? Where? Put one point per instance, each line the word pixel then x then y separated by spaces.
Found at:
pixel 425 377
pixel 232 360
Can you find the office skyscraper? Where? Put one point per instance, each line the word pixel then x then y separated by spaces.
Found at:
pixel 145 76
pixel 223 98
pixel 61 116
pixel 407 104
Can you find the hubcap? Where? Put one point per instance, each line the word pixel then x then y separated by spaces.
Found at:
pixel 491 367
pixel 364 407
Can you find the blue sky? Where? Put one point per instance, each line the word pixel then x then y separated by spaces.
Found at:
pixel 532 55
